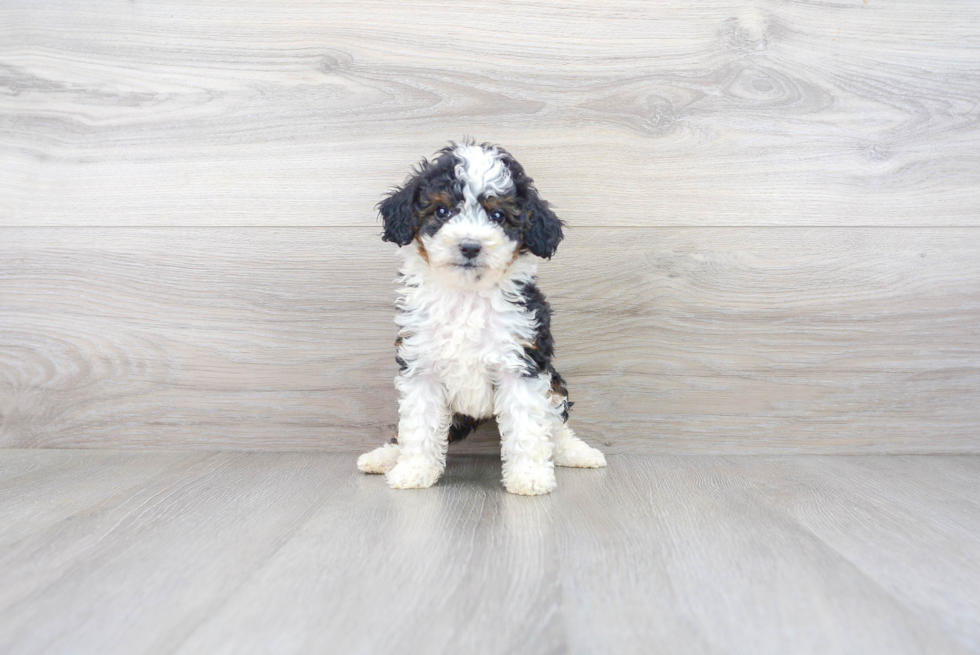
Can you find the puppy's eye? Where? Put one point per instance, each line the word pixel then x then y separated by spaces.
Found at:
pixel 442 211
pixel 498 215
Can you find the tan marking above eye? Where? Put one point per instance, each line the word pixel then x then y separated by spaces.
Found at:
pixel 440 198
pixel 437 200
pixel 506 205
pixel 434 202
pixel 494 202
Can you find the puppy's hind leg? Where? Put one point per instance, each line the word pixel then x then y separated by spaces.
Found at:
pixel 379 460
pixel 569 449
pixel 572 451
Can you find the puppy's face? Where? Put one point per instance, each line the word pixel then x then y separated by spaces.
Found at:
pixel 470 213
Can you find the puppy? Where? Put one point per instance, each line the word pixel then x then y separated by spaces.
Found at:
pixel 474 337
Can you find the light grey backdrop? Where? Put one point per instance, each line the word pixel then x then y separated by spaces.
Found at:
pixel 774 239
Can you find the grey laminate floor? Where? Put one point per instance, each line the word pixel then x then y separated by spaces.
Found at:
pixel 194 552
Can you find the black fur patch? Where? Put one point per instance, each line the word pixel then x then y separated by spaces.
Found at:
pixel 403 210
pixel 541 228
pixel 462 426
pixel 539 353
pixel 558 388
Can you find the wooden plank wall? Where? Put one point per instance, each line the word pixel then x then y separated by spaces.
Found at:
pixel 774 212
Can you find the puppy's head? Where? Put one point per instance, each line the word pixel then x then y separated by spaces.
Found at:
pixel 471 212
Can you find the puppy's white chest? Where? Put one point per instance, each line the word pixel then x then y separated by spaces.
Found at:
pixel 469 339
pixel 465 329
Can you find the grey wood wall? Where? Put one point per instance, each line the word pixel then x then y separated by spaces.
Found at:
pixel 774 210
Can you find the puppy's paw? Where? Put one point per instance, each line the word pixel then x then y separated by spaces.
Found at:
pixel 379 460
pixel 413 473
pixel 580 455
pixel 529 478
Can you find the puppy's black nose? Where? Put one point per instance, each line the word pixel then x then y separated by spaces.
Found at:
pixel 470 249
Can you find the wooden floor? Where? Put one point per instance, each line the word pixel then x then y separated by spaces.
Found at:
pixel 194 552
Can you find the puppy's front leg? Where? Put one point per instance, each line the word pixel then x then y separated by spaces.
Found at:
pixel 524 414
pixel 423 432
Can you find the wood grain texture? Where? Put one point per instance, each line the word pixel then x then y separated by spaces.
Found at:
pixel 297 553
pixel 178 544
pixel 39 490
pixel 862 508
pixel 469 569
pixel 297 116
pixel 637 548
pixel 720 112
pixel 672 339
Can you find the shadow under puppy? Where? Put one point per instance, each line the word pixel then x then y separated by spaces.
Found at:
pixel 474 337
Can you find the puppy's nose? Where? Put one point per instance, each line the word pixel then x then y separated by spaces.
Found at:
pixel 470 249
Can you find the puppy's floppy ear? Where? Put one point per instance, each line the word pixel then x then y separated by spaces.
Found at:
pixel 542 229
pixel 398 213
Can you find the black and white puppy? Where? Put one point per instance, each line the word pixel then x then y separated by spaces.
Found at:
pixel 474 337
